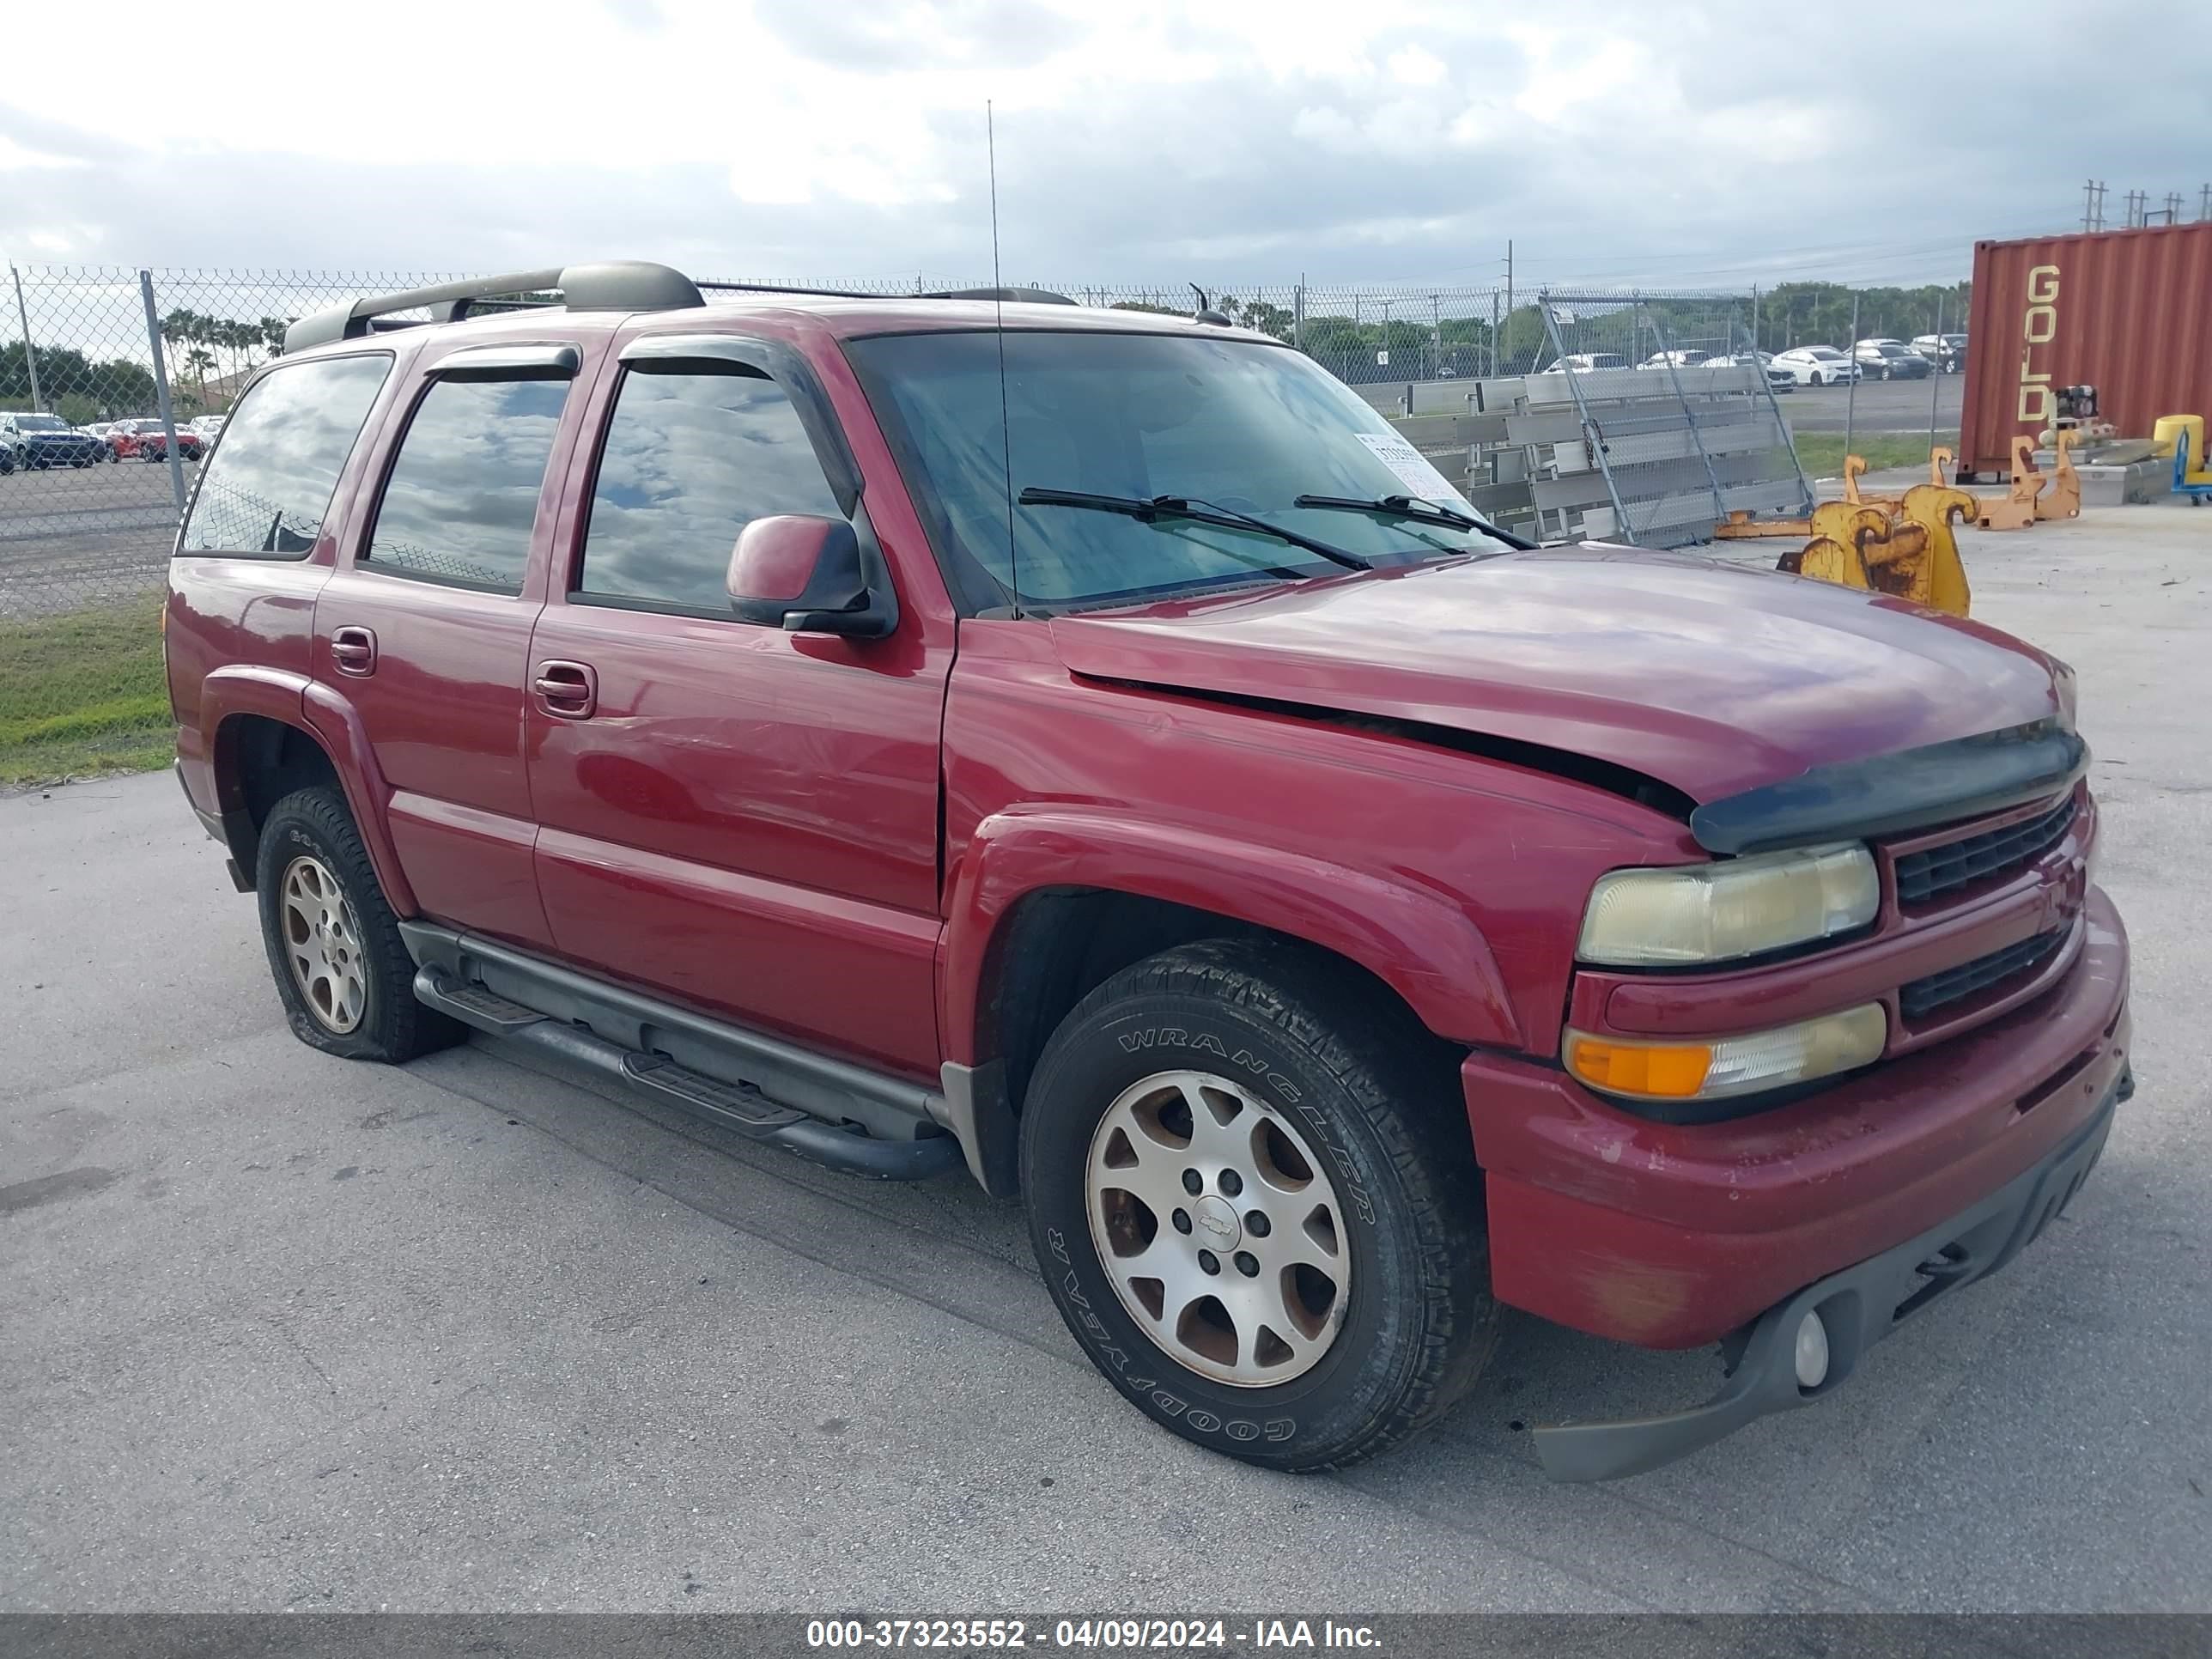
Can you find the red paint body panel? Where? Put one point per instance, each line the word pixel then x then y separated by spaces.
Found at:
pixel 1711 677
pixel 1670 1237
pixel 2124 311
pixel 829 839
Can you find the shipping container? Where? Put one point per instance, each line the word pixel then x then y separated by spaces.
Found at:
pixel 2128 311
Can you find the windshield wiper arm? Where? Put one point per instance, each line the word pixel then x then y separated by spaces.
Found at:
pixel 1191 508
pixel 1416 511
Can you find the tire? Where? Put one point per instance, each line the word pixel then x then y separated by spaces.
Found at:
pixel 321 907
pixel 1389 1328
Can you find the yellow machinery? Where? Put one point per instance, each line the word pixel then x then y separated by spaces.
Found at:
pixel 1899 545
pixel 2015 508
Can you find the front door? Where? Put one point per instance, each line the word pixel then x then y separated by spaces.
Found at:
pixel 425 629
pixel 741 819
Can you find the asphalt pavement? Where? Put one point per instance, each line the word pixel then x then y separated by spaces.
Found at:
pixel 286 1332
pixel 1876 405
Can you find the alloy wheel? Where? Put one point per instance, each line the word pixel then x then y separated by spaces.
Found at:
pixel 1220 1228
pixel 322 943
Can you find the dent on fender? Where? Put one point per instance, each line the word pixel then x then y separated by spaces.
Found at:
pixel 1427 949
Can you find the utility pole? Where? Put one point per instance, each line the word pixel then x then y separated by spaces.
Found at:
pixel 1508 279
pixel 2089 189
pixel 30 352
pixel 2173 207
pixel 2204 205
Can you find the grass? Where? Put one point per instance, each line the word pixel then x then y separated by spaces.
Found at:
pixel 1821 453
pixel 82 693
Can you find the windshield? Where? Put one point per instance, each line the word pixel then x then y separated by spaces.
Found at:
pixel 1237 424
pixel 40 423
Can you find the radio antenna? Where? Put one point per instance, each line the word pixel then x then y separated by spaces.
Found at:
pixel 999 301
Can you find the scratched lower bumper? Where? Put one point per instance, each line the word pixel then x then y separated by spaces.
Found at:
pixel 1860 1305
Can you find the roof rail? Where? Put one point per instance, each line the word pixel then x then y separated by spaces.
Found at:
pixel 1041 296
pixel 614 285
pixel 785 288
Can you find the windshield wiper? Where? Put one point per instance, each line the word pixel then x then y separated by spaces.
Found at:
pixel 1191 508
pixel 1416 511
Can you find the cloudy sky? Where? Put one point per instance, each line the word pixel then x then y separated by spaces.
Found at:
pixel 1664 142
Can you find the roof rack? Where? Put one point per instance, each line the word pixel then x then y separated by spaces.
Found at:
pixel 614 285
pixel 1039 296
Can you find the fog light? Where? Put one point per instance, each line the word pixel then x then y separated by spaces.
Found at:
pixel 1812 1352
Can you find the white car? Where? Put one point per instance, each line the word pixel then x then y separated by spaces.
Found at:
pixel 1674 359
pixel 1817 365
pixel 1584 362
pixel 209 426
pixel 1778 375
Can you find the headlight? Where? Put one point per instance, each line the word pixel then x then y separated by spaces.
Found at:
pixel 1681 1069
pixel 1737 907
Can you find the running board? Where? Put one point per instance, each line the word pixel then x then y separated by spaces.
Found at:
pixel 736 1106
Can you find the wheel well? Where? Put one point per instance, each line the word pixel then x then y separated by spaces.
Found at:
pixel 258 762
pixel 1059 945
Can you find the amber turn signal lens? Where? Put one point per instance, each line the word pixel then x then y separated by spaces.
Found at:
pixel 1719 1067
pixel 1674 1074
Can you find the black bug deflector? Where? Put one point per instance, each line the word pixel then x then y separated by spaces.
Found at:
pixel 1888 795
pixel 1859 1306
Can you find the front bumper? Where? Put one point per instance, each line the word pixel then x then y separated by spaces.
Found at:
pixel 1675 1235
pixel 1858 1307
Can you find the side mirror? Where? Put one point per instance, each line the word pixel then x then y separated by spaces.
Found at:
pixel 805 574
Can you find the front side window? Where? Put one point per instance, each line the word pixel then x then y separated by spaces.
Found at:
pixel 269 485
pixel 1247 426
pixel 691 458
pixel 462 499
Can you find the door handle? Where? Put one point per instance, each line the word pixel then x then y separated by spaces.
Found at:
pixel 353 650
pixel 567 690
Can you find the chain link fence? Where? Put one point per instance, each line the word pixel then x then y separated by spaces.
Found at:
pixel 112 388
pixel 1678 417
pixel 117 379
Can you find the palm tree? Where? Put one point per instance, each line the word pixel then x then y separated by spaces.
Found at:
pixel 198 360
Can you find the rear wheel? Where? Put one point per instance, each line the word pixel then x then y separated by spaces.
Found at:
pixel 342 970
pixel 1251 1191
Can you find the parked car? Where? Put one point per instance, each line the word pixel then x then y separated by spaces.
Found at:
pixel 1686 359
pixel 209 427
pixel 1777 377
pixel 1689 954
pixel 1584 362
pixel 123 437
pixel 150 442
pixel 1890 360
pixel 14 453
pixel 1817 365
pixel 46 440
pixel 1947 351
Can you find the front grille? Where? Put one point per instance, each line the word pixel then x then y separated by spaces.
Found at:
pixel 1938 870
pixel 1922 996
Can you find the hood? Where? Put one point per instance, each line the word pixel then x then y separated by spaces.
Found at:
pixel 1711 678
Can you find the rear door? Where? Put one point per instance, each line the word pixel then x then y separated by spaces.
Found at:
pixel 425 626
pixel 742 819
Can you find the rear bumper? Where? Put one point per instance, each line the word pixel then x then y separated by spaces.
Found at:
pixel 1855 1307
pixel 1672 1237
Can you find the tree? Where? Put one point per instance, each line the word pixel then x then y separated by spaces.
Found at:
pixel 116 388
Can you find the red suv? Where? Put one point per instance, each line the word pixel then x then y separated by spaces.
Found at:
pixel 1095 750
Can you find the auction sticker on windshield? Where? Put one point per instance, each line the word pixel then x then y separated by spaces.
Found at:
pixel 1411 467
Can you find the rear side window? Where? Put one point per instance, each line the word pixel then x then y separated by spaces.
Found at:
pixel 269 484
pixel 689 460
pixel 463 497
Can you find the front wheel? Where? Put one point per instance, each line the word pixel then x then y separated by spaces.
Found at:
pixel 1252 1193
